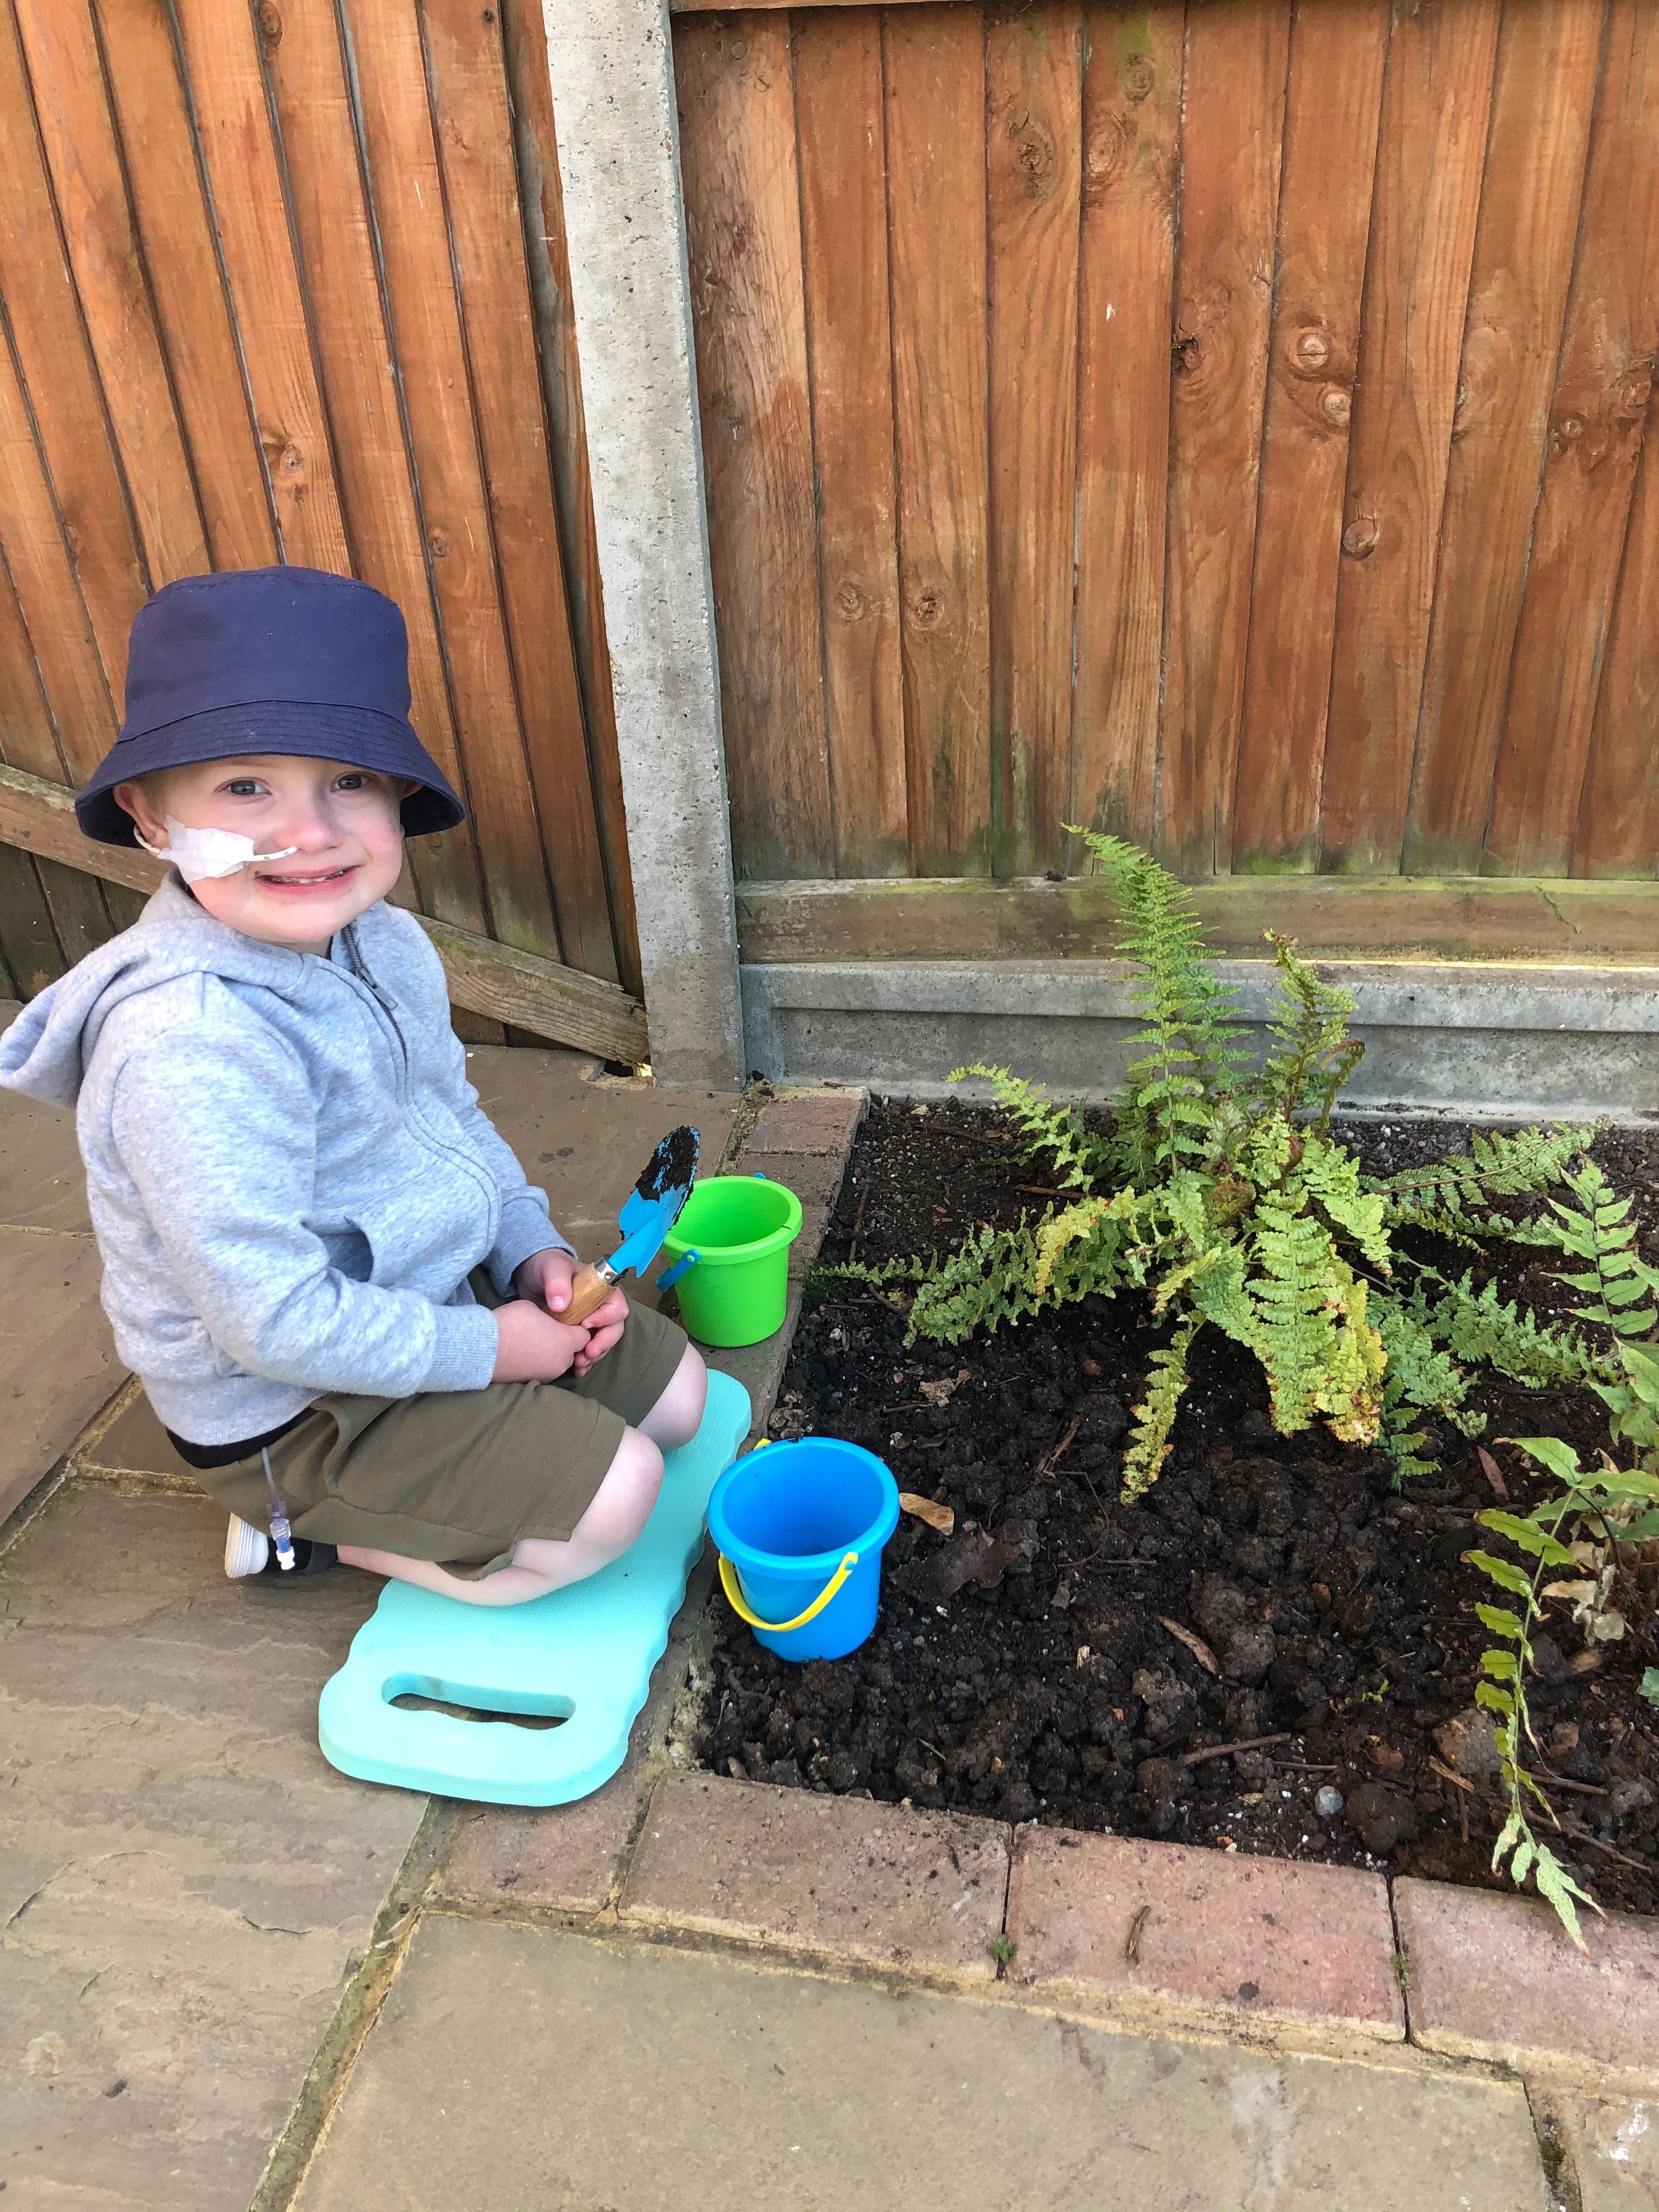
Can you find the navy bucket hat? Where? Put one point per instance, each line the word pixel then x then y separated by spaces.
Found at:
pixel 267 660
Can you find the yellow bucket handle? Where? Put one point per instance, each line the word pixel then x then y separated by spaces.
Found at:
pixel 729 1584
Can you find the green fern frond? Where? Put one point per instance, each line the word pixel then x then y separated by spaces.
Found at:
pixel 1459 1189
pixel 1333 1177
pixel 1053 1131
pixel 1193 1051
pixel 1419 1378
pixel 1316 1054
pixel 1597 1228
pixel 1154 1417
pixel 1296 1265
pixel 1481 1328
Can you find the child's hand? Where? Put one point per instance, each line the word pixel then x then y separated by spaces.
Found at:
pixel 533 1347
pixel 548 1276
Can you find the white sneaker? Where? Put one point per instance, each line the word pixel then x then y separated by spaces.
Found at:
pixel 246 1549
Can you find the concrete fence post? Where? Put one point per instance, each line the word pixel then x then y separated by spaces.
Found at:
pixel 613 99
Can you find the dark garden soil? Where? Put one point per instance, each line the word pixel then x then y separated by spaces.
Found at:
pixel 1048 1660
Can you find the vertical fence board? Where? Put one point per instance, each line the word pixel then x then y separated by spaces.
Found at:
pixel 467 73
pixel 1236 58
pixel 240 155
pixel 934 62
pixel 1034 140
pixel 535 140
pixel 1131 149
pixel 175 231
pixel 738 152
pixel 78 135
pixel 838 116
pixel 1436 98
pixel 1596 422
pixel 1523 252
pixel 27 940
pixel 331 220
pixel 59 631
pixel 407 191
pixel 1332 108
pixel 54 361
pixel 1618 829
pixel 28 740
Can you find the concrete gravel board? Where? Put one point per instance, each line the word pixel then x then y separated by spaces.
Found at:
pixel 1218 1936
pixel 514 2066
pixel 186 1884
pixel 794 1870
pixel 1494 1976
pixel 57 1363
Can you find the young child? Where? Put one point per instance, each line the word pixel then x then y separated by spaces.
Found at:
pixel 329 1271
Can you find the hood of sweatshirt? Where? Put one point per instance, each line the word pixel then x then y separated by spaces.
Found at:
pixel 47 1049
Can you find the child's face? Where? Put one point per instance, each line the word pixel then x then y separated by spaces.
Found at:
pixel 343 821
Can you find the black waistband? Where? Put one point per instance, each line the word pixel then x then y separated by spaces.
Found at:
pixel 228 1455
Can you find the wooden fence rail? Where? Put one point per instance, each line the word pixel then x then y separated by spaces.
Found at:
pixel 1229 424
pixel 285 281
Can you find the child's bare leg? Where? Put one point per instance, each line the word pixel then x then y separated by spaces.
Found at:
pixel 619 1509
pixel 678 1414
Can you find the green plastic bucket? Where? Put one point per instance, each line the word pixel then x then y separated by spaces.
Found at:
pixel 730 1250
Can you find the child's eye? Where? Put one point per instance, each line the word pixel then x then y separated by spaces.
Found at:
pixel 357 781
pixel 244 787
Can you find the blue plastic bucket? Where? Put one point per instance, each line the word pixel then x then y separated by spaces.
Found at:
pixel 800 1529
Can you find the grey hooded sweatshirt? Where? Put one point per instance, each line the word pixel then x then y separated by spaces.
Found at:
pixel 289 1175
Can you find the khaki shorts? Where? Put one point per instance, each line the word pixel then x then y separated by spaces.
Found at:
pixel 459 1476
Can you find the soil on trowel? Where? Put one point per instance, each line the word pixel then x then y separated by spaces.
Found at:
pixel 1275 1620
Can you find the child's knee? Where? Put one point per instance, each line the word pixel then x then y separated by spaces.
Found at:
pixel 621 1504
pixel 678 1414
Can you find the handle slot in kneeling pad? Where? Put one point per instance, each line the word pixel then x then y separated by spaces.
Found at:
pixel 584 1655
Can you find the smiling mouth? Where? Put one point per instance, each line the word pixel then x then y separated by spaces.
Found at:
pixel 310 883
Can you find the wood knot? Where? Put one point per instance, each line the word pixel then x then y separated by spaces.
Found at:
pixel 852 603
pixel 1336 406
pixel 293 461
pixel 1359 539
pixel 1183 352
pixel 1035 156
pixel 1104 152
pixel 926 610
pixel 1312 351
pixel 1139 78
pixel 437 544
pixel 271 24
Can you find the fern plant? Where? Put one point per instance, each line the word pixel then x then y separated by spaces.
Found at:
pixel 1580 1527
pixel 1219 1189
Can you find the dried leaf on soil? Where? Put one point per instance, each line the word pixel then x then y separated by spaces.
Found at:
pixel 940 1394
pixel 971 1556
pixel 1199 1649
pixel 942 1517
pixel 1493 1472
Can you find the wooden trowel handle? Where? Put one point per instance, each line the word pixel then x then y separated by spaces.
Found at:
pixel 588 1292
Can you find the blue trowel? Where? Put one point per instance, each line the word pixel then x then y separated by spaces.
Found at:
pixel 653 1208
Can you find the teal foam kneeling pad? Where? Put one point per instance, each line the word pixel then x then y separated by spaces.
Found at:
pixel 584 1654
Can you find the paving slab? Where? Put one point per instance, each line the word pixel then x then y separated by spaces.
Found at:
pixel 584 1143
pixel 514 2066
pixel 135 1443
pixel 186 1884
pixel 1494 1976
pixel 567 1857
pixel 796 1871
pixel 1210 1936
pixel 57 1363
pixel 1611 2150
pixel 42 1183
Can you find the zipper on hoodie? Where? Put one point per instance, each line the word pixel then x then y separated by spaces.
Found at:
pixel 361 976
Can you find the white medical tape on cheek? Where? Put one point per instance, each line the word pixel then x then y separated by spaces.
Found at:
pixel 198 853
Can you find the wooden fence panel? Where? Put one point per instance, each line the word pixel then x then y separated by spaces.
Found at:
pixel 1269 389
pixel 280 284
